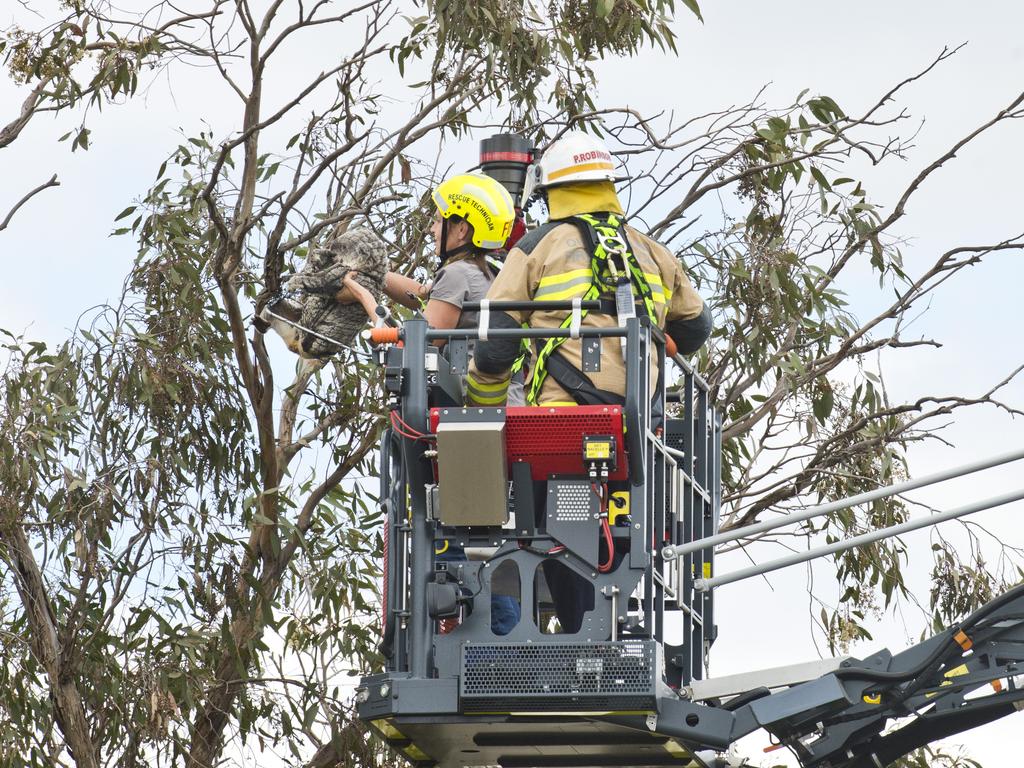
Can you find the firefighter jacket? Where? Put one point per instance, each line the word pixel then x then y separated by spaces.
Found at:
pixel 553 263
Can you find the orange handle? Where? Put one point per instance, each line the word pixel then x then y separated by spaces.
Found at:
pixel 384 335
pixel 670 346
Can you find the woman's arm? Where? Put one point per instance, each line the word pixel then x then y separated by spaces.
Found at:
pixel 438 314
pixel 403 290
pixel 441 315
pixel 406 291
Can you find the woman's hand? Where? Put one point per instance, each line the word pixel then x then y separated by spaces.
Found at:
pixel 353 292
pixel 349 294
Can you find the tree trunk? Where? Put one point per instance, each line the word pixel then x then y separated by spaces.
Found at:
pixel 67 702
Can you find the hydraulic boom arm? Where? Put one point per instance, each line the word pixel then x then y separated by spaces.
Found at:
pixel 959 679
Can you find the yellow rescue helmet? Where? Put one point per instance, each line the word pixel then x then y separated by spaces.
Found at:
pixel 481 201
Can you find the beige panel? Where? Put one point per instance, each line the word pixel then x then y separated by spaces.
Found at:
pixel 472 482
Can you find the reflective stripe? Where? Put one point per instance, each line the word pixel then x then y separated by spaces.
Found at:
pixel 501 205
pixel 654 279
pixel 563 285
pixel 580 169
pixel 658 291
pixel 440 202
pixel 486 393
pixel 569 289
pixel 487 400
pixel 483 386
pixel 563 277
pixel 566 285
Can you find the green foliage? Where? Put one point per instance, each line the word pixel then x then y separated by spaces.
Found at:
pixel 133 454
pixel 80 58
pixel 930 757
pixel 525 45
pixel 959 587
pixel 202 507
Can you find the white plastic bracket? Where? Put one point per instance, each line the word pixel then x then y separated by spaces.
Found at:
pixel 485 319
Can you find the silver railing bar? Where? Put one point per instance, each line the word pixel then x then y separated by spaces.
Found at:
pixel 852 501
pixel 702 585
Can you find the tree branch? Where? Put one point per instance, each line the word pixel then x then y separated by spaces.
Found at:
pixel 45 185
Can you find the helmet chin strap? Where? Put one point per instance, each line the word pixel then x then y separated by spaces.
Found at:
pixel 446 254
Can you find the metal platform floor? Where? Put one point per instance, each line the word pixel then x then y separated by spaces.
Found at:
pixel 511 741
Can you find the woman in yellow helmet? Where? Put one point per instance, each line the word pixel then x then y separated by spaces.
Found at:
pixel 474 217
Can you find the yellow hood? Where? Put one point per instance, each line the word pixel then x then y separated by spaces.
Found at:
pixel 585 197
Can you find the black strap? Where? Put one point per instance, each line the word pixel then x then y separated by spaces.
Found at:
pixel 578 384
pixel 608 307
pixel 445 255
pixel 585 225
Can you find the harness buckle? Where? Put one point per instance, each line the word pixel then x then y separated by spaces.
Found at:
pixel 613 244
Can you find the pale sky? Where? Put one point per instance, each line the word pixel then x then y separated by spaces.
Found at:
pixel 855 52
pixel 58 260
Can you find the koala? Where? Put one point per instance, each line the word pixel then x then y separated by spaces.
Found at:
pixel 320 279
pixel 291 311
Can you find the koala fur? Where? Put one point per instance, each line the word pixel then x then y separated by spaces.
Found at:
pixel 319 280
pixel 292 312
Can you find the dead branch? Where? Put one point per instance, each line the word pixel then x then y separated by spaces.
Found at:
pixel 45 185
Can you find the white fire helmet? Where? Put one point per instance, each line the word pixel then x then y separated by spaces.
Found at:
pixel 575 157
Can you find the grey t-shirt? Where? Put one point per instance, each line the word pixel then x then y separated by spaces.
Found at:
pixel 459 282
pixel 462 281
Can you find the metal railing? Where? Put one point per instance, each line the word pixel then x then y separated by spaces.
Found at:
pixel 674 475
pixel 708 582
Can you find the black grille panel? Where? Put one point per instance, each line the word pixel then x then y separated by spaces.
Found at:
pixel 674 433
pixel 544 677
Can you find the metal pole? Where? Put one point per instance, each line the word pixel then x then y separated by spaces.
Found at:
pixel 834 506
pixel 685 367
pixel 524 333
pixel 414 411
pixel 857 541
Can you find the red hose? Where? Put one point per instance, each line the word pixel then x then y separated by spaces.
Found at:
pixel 606 530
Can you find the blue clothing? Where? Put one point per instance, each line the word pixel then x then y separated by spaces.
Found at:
pixel 505 614
pixel 505 610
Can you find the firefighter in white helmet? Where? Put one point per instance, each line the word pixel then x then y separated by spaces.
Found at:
pixel 587 251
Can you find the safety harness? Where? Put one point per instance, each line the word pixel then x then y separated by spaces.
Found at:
pixel 613 268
